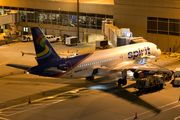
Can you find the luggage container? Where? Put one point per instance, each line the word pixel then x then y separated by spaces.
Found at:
pixel 101 44
pixel 176 81
pixel 71 40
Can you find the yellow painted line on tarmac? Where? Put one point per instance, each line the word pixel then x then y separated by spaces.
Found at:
pixel 49 97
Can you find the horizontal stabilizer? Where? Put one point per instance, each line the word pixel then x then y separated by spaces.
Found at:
pixel 24 67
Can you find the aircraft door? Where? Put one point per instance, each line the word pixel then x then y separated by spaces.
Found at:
pixel 68 66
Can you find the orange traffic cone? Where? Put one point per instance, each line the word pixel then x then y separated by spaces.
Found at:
pixel 22 53
pixel 29 101
pixel 77 53
pixel 135 116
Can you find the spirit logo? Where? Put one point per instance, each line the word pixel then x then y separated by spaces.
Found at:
pixel 139 52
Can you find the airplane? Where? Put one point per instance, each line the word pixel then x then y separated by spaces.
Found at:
pixel 118 59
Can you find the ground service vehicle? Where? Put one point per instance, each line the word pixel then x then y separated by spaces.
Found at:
pixel 71 40
pixel 149 83
pixel 57 38
pixel 176 81
pixel 51 38
pixel 27 38
pixel 101 44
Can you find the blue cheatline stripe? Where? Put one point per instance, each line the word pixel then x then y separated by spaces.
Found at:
pixel 48 54
pixel 74 65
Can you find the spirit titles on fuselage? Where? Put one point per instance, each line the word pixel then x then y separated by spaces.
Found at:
pixel 139 52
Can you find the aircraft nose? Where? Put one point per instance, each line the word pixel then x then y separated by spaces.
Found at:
pixel 158 52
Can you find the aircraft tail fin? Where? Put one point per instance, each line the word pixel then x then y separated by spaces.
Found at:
pixel 44 51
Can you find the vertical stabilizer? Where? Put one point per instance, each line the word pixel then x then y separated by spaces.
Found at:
pixel 44 51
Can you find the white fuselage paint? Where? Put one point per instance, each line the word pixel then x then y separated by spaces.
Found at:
pixel 110 58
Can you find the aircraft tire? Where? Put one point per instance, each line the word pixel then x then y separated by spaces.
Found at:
pixel 90 78
pixel 120 81
pixel 124 82
pixel 28 39
pixel 161 86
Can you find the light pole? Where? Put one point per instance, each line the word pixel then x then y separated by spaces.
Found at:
pixel 78 20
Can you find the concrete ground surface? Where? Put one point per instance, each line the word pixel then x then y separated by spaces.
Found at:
pixel 78 99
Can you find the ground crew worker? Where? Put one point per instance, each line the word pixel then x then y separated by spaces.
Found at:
pixel 170 49
pixel 170 75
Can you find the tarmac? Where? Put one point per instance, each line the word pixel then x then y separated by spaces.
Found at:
pixel 26 96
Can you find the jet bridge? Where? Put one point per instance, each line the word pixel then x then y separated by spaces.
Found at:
pixel 118 36
pixel 10 18
pixel 6 19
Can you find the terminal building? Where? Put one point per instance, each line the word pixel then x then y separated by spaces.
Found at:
pixel 156 21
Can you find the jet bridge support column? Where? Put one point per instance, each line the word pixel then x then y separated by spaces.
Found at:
pixel 123 79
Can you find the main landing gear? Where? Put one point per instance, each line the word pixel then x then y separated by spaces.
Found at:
pixel 123 80
pixel 90 78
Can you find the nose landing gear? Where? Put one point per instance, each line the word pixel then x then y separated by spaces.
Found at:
pixel 90 78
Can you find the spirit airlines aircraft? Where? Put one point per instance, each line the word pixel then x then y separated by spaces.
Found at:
pixel 119 59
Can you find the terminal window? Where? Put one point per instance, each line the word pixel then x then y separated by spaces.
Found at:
pixel 166 26
pixel 63 18
pixel 57 17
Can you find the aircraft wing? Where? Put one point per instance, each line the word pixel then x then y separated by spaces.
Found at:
pixel 133 67
pixel 24 67
pixel 121 66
